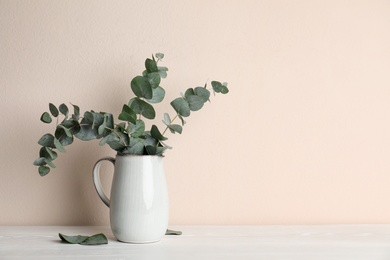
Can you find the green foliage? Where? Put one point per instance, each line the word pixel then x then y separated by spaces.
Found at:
pixel 130 136
pixel 97 239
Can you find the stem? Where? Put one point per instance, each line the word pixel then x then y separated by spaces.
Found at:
pixel 171 122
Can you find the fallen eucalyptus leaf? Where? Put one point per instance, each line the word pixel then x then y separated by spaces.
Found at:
pixel 97 239
pixel 173 232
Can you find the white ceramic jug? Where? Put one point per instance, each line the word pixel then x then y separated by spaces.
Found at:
pixel 139 198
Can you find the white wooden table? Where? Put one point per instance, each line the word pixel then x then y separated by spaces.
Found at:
pixel 344 242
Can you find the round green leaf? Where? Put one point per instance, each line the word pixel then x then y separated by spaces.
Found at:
pixel 43 170
pixel 141 87
pixel 64 109
pixel 141 107
pixel 175 128
pixel 158 95
pixel 151 65
pixel 47 140
pixel 53 110
pixel 160 56
pixel 195 102
pixel 203 93
pixel 181 106
pixel 156 134
pixel 46 118
pixel 59 146
pixel 40 161
pixel 154 79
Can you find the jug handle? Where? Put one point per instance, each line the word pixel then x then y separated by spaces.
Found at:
pixel 96 179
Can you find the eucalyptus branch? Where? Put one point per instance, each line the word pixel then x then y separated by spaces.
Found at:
pixel 129 136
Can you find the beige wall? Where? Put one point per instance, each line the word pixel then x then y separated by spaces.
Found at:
pixel 302 137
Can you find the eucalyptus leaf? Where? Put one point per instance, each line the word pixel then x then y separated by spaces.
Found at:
pixel 98 239
pixel 50 163
pixel 127 114
pixel 162 71
pixel 64 109
pixel 59 146
pixel 173 232
pixel 40 161
pixel 158 95
pixel 167 119
pixel 175 128
pixel 183 122
pixel 46 118
pixel 66 130
pixel 62 136
pixel 72 239
pixel 87 131
pixel 156 134
pixel 203 93
pixel 160 56
pixel 141 107
pixel 189 92
pixel 53 110
pixel 43 170
pixel 47 140
pixel 72 124
pixel 151 150
pixel 154 79
pixel 47 153
pixel 141 87
pixel 181 106
pixel 195 102
pixel 151 65
pixel 136 147
pixel 137 129
pixel 76 114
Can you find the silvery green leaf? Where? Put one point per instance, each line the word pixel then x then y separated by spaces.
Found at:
pixel 183 122
pixel 59 146
pixel 154 79
pixel 64 109
pixel 151 65
pixel 158 95
pixel 76 114
pixel 173 232
pixel 46 152
pixel 40 161
pixel 175 128
pixel 53 110
pixel 98 239
pixel 137 129
pixel 181 106
pixel 203 93
pixel 167 119
pixel 162 71
pixel 189 92
pixel 43 170
pixel 46 118
pixel 195 102
pixel 127 114
pixel 72 124
pixel 72 239
pixel 141 87
pixel 66 130
pixel 62 136
pixel 47 140
pixel 160 56
pixel 156 134
pixel 50 163
pixel 141 107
